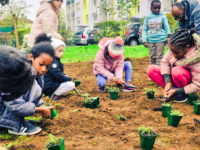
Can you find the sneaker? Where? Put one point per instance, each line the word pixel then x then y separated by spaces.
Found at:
pixel 128 89
pixel 101 89
pixel 181 98
pixel 27 129
pixel 55 98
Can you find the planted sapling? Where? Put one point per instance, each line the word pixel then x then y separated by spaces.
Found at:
pixel 56 143
pixel 88 100
pixel 176 113
pixel 145 130
pixel 149 90
pixel 113 92
pixel 120 117
pixel 112 89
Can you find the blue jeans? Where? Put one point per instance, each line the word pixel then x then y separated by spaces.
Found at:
pixel 101 80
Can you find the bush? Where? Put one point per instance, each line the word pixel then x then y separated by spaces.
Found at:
pixel 173 24
pixel 68 35
pixel 142 21
pixel 21 33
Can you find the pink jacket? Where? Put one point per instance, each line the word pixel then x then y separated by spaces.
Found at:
pixel 169 61
pixel 46 22
pixel 103 67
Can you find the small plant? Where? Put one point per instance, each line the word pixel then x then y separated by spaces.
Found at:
pixel 146 130
pixel 166 104
pixel 88 100
pixel 112 89
pixel 194 94
pixel 54 141
pixel 149 90
pixel 120 117
pixel 198 102
pixel 176 113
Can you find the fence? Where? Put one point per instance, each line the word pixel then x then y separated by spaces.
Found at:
pixel 7 39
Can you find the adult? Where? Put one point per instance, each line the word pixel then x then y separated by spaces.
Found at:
pixel 46 21
pixel 187 13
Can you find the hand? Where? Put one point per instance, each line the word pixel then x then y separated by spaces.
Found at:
pixel 62 39
pixel 170 93
pixel 168 87
pixel 113 79
pixel 146 44
pixel 46 111
pixel 120 80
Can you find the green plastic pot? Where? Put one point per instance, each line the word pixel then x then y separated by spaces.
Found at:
pixel 150 95
pixel 89 105
pixel 114 95
pixel 147 142
pixel 96 103
pixel 53 113
pixel 77 83
pixel 173 120
pixel 191 99
pixel 61 146
pixel 196 108
pixel 165 110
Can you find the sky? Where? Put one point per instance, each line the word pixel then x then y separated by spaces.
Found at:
pixel 33 10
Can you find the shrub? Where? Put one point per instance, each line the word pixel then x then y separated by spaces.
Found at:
pixel 173 24
pixel 21 33
pixel 68 35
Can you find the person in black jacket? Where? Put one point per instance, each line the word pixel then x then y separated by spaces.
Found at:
pixel 56 83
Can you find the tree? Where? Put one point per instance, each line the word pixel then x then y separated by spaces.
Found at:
pixel 15 9
pixel 134 4
pixel 62 20
pixel 4 2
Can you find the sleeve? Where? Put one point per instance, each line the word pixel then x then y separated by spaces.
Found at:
pixel 167 78
pixel 145 30
pixel 194 86
pixel 41 102
pixel 20 107
pixel 120 68
pixel 48 23
pixel 197 22
pixel 57 74
pixel 166 26
pixel 99 62
pixel 165 65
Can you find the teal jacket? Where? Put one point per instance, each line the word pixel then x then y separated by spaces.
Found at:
pixel 155 28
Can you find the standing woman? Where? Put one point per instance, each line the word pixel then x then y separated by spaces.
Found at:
pixel 46 21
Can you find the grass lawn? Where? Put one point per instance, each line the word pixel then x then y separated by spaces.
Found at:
pixel 86 53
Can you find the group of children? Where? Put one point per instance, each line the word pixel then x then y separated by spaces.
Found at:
pixel 22 83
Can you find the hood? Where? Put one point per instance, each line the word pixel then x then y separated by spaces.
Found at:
pixel 45 6
pixel 189 7
pixel 194 59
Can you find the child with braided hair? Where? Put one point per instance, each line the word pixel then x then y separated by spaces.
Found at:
pixel 179 72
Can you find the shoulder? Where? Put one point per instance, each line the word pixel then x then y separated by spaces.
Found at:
pixel 49 13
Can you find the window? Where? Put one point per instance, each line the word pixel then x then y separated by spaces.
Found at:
pixel 78 21
pixel 78 7
pixel 95 2
pixel 88 30
pixel 138 8
pixel 95 17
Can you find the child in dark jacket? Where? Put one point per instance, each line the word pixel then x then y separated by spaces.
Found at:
pixel 55 81
pixel 21 85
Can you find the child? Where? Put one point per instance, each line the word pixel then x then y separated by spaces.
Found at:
pixel 180 66
pixel 109 63
pixel 46 20
pixel 154 32
pixel 21 86
pixel 55 82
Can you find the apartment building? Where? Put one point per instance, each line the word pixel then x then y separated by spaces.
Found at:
pixel 88 12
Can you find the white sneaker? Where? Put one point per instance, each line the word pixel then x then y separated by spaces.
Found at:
pixel 27 129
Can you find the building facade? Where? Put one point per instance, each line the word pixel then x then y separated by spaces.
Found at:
pixel 81 13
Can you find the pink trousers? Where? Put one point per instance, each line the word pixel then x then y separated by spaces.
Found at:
pixel 180 76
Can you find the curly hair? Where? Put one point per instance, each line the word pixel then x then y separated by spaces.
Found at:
pixel 15 73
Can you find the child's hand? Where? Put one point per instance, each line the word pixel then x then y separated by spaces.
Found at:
pixel 168 87
pixel 170 93
pixel 46 113
pixel 113 79
pixel 120 81
pixel 146 44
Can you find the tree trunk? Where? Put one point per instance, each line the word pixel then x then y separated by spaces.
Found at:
pixel 16 35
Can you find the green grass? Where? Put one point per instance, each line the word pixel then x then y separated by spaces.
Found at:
pixel 87 53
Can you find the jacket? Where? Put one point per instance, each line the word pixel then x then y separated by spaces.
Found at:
pixel 106 69
pixel 54 77
pixel 192 13
pixel 12 113
pixel 46 22
pixel 155 28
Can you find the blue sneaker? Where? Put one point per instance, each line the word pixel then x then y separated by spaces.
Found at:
pixel 27 129
pixel 181 98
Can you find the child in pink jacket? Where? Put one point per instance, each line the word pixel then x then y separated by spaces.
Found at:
pixel 179 73
pixel 46 21
pixel 109 63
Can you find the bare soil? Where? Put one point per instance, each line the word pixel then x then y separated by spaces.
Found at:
pixel 98 128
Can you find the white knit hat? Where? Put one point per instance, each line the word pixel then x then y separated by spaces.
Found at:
pixel 56 43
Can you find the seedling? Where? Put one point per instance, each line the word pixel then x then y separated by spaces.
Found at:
pixel 174 118
pixel 198 102
pixel 88 100
pixel 166 107
pixel 146 130
pixel 176 113
pixel 112 89
pixel 56 143
pixel 91 102
pixel 120 117
pixel 150 90
pixel 166 104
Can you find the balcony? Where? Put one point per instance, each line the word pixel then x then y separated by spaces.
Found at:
pixel 68 2
pixel 73 14
pixel 72 1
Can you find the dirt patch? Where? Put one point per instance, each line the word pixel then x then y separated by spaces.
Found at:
pixel 99 128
